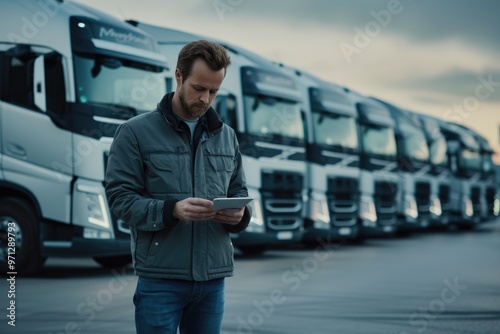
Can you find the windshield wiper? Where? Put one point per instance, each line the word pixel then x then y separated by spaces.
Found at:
pixel 342 148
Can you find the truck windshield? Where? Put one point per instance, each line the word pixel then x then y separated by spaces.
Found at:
pixel 268 116
pixel 438 152
pixel 378 140
pixel 109 81
pixel 471 159
pixel 335 130
pixel 416 145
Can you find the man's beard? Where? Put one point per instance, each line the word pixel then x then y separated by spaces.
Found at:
pixel 187 109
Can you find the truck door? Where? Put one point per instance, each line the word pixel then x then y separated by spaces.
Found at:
pixel 36 151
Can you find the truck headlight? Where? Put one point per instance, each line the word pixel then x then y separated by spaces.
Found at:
pixel 410 207
pixel 367 210
pixel 435 207
pixel 96 210
pixel 468 208
pixel 257 220
pixel 496 206
pixel 320 214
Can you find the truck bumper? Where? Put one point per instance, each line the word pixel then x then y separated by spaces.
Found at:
pixel 266 238
pixel 378 231
pixel 333 233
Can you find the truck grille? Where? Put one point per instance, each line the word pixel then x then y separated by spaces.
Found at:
pixel 490 200
pixel 444 196
pixel 343 197
pixel 475 196
pixel 385 202
pixel 282 200
pixel 423 198
pixel 282 181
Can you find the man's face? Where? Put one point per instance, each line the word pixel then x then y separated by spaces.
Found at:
pixel 197 92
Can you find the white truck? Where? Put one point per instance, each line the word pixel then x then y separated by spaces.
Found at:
pixel 440 171
pixel 417 197
pixel 379 178
pixel 69 75
pixel 338 208
pixel 263 106
pixel 465 166
pixel 487 181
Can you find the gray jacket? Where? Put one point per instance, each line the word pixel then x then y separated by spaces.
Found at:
pixel 151 166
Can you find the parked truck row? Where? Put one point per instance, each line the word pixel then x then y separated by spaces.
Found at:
pixel 321 160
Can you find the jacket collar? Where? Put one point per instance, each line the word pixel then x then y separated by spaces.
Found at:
pixel 211 119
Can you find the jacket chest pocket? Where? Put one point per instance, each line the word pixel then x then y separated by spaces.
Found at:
pixel 168 173
pixel 220 166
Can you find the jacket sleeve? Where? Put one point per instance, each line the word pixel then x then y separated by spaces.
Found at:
pixel 237 188
pixel 125 187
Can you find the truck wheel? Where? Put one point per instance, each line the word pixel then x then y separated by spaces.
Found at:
pixel 19 222
pixel 113 261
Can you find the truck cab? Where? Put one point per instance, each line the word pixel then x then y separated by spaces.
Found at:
pixel 332 180
pixel 66 85
pixel 379 181
pixel 465 166
pixel 487 181
pixel 491 207
pixel 416 193
pixel 440 172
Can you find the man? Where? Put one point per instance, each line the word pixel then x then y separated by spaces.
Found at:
pixel 164 169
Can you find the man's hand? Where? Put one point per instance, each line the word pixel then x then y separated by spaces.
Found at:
pixel 231 217
pixel 194 209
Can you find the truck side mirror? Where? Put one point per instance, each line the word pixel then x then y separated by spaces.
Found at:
pixel 305 124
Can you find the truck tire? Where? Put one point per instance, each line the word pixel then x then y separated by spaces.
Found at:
pixel 113 261
pixel 18 218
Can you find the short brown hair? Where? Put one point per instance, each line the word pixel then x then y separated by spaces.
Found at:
pixel 214 55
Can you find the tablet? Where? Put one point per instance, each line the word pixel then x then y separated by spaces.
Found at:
pixel 233 203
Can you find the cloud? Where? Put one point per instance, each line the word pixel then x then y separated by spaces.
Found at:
pixel 474 22
pixel 460 83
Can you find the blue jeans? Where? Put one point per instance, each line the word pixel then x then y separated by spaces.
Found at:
pixel 162 305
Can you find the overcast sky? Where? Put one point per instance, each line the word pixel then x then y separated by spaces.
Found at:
pixel 439 57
